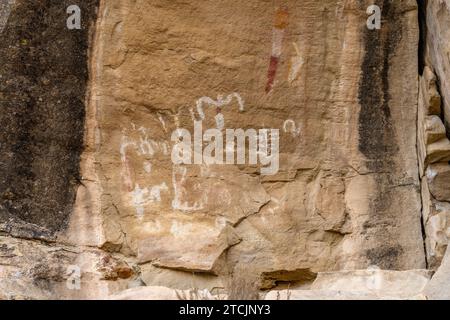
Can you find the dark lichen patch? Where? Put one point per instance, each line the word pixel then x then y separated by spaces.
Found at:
pixel 44 75
pixel 385 258
pixel 376 134
pixel 377 141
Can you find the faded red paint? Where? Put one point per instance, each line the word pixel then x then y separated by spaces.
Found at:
pixel 279 25
pixel 272 73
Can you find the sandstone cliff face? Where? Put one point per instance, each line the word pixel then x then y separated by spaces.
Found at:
pixel 363 149
pixel 346 195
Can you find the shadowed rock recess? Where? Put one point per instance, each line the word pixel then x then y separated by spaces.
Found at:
pixel 93 207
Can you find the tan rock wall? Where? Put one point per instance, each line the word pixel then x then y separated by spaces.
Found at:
pixel 343 97
pixel 363 153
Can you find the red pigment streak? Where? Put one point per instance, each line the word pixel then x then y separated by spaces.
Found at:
pixel 272 72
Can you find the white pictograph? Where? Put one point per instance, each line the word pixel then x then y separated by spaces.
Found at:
pixel 178 180
pixel 296 64
pixel 145 196
pixel 219 103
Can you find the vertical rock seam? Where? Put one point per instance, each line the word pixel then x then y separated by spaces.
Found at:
pixel 422 7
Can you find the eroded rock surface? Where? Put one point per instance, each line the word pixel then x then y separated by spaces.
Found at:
pixel 433 142
pixel 361 285
pixel 363 149
pixel 347 192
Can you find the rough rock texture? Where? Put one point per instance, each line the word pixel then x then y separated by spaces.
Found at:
pixel 438 287
pixel 433 117
pixel 434 155
pixel 347 192
pixel 401 284
pixel 163 293
pixel 433 145
pixel 332 295
pixel 361 285
pixel 33 270
pixel 88 184
pixel 437 48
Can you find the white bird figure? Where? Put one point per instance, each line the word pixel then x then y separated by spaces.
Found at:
pixel 219 103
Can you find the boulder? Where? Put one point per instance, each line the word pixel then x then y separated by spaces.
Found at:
pixel 439 286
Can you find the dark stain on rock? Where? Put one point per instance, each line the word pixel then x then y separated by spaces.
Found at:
pixel 377 141
pixel 44 75
pixel 386 258
pixel 376 135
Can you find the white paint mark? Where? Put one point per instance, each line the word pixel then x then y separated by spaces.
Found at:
pixel 290 126
pixel 123 147
pixel 296 64
pixel 138 200
pixel 163 123
pixel 146 146
pixel 179 191
pixel 143 146
pixel 126 166
pixel 147 167
pixel 219 103
pixel 155 192
pixel 145 196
